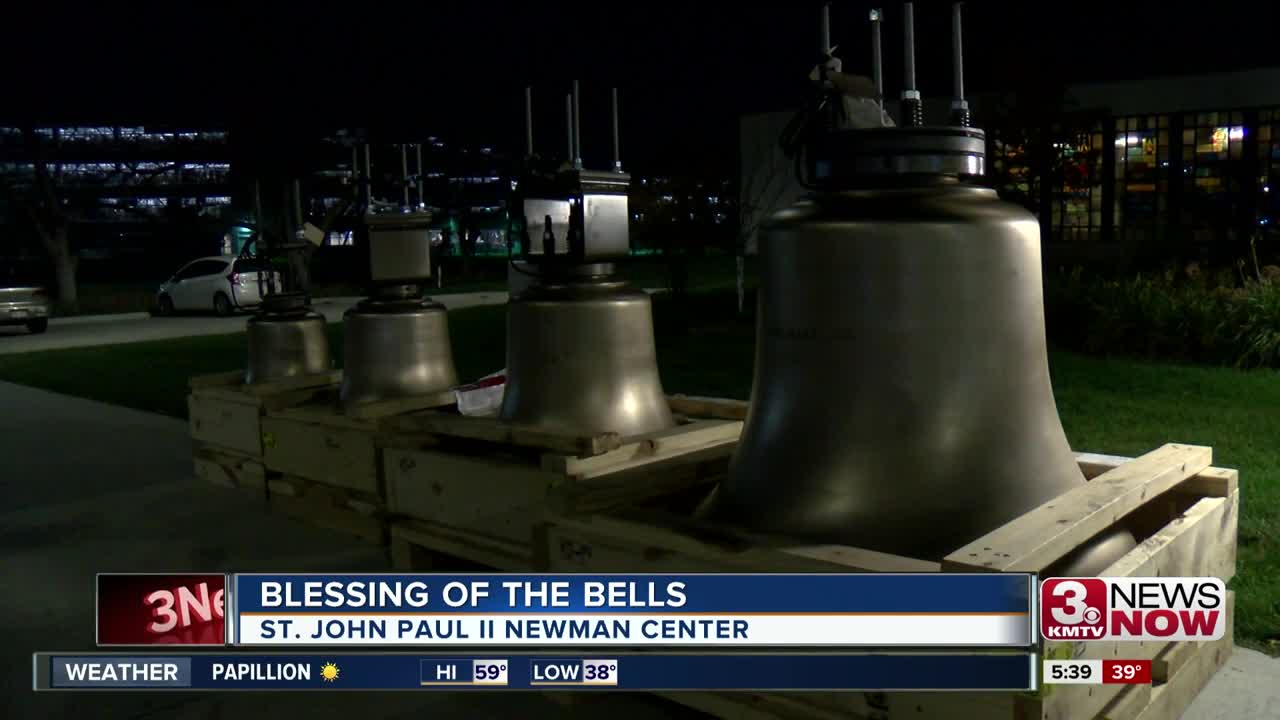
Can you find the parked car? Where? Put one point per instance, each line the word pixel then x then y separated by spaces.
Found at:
pixel 223 284
pixel 23 298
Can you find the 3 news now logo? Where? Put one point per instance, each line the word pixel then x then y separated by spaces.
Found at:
pixel 1174 609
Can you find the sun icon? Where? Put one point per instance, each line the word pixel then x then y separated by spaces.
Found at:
pixel 329 672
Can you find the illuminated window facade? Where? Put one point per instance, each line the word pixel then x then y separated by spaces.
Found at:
pixel 1201 183
pixel 1077 193
pixel 1268 156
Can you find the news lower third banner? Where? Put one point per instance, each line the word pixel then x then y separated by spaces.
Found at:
pixel 820 610
pixel 1000 671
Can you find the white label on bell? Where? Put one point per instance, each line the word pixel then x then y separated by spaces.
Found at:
pixel 606 223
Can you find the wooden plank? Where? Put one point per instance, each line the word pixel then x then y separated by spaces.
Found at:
pixel 707 407
pixel 326 506
pixel 1179 673
pixel 1212 482
pixel 1199 543
pixel 1044 535
pixel 607 543
pixel 671 443
pixel 1172 698
pixel 443 541
pixel 331 454
pixel 496 431
pixel 1094 464
pixel 232 425
pixel 235 472
pixel 1128 704
pixel 399 406
pixel 222 379
pixel 300 382
pixel 479 494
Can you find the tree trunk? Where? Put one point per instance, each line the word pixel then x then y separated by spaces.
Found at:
pixel 742 280
pixel 64 273
pixel 64 268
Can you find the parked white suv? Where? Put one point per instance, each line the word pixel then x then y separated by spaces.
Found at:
pixel 222 284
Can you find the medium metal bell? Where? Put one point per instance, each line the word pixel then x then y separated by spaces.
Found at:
pixel 286 339
pixel 581 358
pixel 396 347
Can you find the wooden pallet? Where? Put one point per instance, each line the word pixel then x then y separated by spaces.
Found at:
pixel 477 488
pixel 230 469
pixel 226 414
pixel 360 514
pixel 1183 510
pixel 328 462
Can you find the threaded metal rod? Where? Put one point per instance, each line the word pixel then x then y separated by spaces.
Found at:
pixel 568 114
pixel 912 110
pixel 577 129
pixel 959 106
pixel 528 121
pixel 877 69
pixel 617 153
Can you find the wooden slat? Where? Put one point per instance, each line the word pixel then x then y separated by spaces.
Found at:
pixel 1211 482
pixel 231 377
pixel 233 381
pixel 327 452
pixel 1094 464
pixel 494 552
pixel 327 506
pixel 1179 673
pixel 607 543
pixel 706 407
pixel 672 443
pixel 398 406
pixel 231 425
pixel 1199 543
pixel 496 431
pixel 1046 534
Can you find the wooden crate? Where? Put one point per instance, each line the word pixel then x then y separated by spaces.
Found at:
pixel 1183 510
pixel 481 491
pixel 224 413
pixel 352 512
pixel 229 469
pixel 327 463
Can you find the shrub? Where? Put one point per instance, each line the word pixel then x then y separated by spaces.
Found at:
pixel 1220 318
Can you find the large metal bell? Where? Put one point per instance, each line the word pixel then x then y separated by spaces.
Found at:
pixel 395 347
pixel 902 399
pixel 286 339
pixel 581 358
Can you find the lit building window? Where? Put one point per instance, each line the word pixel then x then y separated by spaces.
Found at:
pixel 1142 176
pixel 1212 174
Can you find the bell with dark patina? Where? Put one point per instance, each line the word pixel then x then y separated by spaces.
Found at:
pixel 902 399
pixel 286 339
pixel 396 341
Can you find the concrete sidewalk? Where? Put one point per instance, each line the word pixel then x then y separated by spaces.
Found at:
pixel 90 330
pixel 90 487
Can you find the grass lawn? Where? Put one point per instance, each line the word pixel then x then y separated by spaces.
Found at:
pixel 1107 405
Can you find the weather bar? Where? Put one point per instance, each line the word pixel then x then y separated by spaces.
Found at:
pixel 799 671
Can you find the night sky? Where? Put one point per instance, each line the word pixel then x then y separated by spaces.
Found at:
pixel 685 70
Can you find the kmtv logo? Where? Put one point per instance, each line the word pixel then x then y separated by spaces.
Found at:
pixel 1174 609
